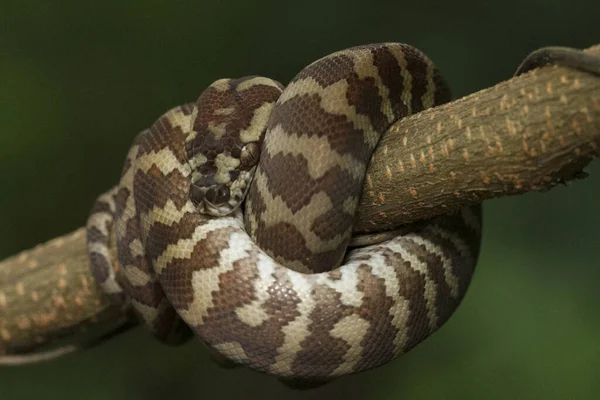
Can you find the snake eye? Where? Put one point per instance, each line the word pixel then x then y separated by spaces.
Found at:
pixel 250 155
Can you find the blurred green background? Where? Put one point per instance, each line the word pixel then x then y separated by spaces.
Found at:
pixel 79 79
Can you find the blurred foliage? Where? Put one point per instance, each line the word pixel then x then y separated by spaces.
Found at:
pixel 79 79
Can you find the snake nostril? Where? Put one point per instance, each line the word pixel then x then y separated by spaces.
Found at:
pixel 223 194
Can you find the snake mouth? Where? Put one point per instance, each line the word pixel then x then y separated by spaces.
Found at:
pixel 214 200
pixel 216 210
pixel 221 199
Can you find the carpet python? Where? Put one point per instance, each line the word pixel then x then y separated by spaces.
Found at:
pixel 265 288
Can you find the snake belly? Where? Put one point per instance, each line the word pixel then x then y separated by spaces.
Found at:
pixel 177 263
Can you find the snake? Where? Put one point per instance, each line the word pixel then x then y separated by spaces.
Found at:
pixel 233 219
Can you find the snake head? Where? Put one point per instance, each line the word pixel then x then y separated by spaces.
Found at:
pixel 228 125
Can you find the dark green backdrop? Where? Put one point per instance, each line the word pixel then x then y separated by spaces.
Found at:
pixel 79 79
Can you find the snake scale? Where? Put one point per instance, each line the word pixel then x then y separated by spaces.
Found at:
pixel 265 287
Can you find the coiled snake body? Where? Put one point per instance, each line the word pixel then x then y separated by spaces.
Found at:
pixel 310 319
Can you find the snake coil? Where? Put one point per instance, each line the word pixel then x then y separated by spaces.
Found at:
pixel 274 296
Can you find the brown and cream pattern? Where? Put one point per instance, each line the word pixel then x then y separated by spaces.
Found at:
pixel 289 310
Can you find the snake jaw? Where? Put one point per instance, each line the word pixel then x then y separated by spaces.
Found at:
pixel 220 200
pixel 212 200
pixel 215 210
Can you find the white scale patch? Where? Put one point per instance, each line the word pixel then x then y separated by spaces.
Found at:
pixel 232 350
pixel 136 248
pixel 109 286
pixel 428 98
pixel 449 277
pixel 221 85
pixel 400 310
pixel 107 198
pixel 225 164
pixel 258 123
pixel 190 133
pixel 169 214
pixel 183 248
pixel 99 248
pixel 101 221
pixel 196 161
pixel 407 81
pixel 224 111
pixel 302 218
pixel 136 276
pixel 206 281
pixel 430 286
pixel 320 159
pixel 254 314
pixel 346 286
pixel 297 330
pixel 367 69
pixel 458 243
pixel 352 329
pixel 333 101
pixel 217 130
pixel 164 160
pixel 148 314
pixel 259 80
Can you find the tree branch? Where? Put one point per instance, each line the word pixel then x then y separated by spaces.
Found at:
pixel 48 293
pixel 525 134
pixel 528 133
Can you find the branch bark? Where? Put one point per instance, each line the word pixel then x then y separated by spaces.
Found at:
pixel 528 133
pixel 525 134
pixel 48 293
